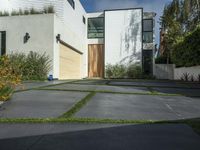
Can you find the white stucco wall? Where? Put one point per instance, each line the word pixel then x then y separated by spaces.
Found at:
pixel 194 71
pixel 69 37
pixel 123 36
pixel 72 17
pixel 67 21
pixel 40 29
pixel 10 5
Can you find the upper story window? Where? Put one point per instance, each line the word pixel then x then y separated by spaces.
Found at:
pixel 148 37
pixel 72 3
pixel 148 25
pixel 83 19
pixel 2 43
pixel 148 31
pixel 95 27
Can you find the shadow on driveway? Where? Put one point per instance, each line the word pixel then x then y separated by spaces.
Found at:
pixel 133 137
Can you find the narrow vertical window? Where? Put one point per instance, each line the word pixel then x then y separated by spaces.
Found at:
pixel 83 19
pixel 72 3
pixel 2 42
pixel 148 31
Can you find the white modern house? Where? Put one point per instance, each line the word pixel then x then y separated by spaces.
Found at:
pixel 80 44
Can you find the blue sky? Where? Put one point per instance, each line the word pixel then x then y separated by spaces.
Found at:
pixel 148 5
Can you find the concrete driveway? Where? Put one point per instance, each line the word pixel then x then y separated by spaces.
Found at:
pixel 113 99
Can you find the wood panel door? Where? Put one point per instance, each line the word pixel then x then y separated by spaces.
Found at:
pixel 96 61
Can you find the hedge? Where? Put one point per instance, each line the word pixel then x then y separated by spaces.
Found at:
pixel 187 52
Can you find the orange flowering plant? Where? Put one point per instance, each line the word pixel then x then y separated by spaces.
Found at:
pixel 9 78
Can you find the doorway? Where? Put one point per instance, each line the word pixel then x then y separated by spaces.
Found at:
pixel 96 61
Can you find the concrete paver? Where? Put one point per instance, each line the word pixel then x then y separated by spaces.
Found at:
pixel 39 104
pixel 140 107
pixel 182 91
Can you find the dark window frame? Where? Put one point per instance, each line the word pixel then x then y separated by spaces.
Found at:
pixel 151 37
pixel 72 3
pixel 147 31
pixel 3 42
pixel 146 54
pixel 94 32
pixel 151 25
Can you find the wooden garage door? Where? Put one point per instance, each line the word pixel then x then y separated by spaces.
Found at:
pixel 96 61
pixel 70 63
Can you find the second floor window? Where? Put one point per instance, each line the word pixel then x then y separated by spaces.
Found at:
pixel 72 3
pixel 95 27
pixel 148 31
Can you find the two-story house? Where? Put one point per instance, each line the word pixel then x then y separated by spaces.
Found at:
pixel 80 44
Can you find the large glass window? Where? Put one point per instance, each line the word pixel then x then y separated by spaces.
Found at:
pixel 95 28
pixel 148 25
pixel 147 31
pixel 148 37
pixel 2 42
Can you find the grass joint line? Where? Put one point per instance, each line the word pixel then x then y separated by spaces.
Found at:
pixel 78 106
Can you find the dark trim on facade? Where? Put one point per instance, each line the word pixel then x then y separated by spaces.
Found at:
pixel 142 42
pixel 122 9
pixel 73 48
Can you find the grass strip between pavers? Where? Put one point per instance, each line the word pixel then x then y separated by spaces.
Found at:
pixel 78 106
pixel 45 86
pixel 72 120
pixel 137 85
pixel 111 92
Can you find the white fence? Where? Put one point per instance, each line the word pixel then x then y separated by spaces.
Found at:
pixel 191 71
pixel 164 71
pixel 168 71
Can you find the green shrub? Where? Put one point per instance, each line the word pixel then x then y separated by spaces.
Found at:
pixel 33 66
pixel 33 11
pixel 162 60
pixel 18 61
pixel 116 71
pixel 26 12
pixel 8 78
pixel 15 13
pixel 50 9
pixel 21 12
pixel 5 13
pixel 187 52
pixel 134 71
pixel 122 71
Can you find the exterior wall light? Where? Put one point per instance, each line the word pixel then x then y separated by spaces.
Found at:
pixel 26 37
pixel 58 38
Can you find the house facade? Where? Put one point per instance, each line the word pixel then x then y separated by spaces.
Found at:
pixel 79 44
